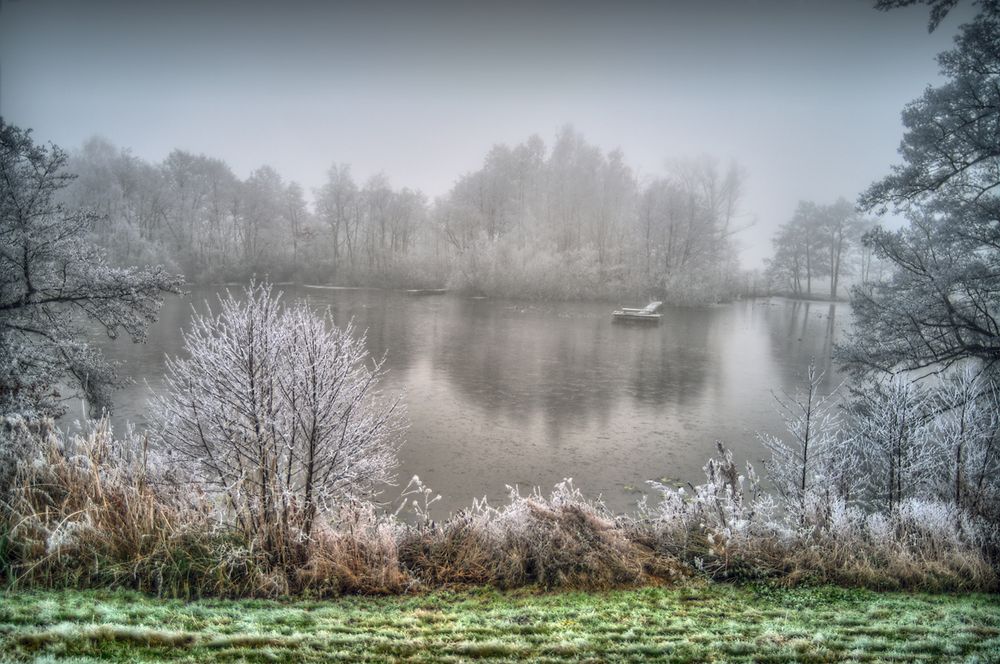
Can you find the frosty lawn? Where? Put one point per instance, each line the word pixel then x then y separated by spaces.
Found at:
pixel 691 623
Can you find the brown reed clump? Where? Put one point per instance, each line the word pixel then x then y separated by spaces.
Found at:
pixel 82 512
pixel 561 540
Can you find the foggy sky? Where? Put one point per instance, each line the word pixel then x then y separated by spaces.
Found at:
pixel 806 95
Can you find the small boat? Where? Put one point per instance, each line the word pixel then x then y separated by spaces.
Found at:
pixel 648 314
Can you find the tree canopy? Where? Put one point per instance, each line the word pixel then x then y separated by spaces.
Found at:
pixel 54 284
pixel 942 303
pixel 814 244
pixel 558 220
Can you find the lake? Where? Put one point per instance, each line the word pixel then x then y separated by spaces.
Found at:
pixel 502 392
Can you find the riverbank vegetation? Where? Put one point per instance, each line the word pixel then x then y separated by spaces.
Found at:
pixel 693 623
pixel 93 511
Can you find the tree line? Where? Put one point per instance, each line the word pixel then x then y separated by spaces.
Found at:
pixel 820 246
pixel 563 221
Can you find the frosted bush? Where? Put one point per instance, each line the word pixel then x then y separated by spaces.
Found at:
pixel 275 411
pixel 416 499
pixel 879 529
pixel 715 519
pixel 809 465
pixel 965 432
pixel 939 524
pixel 556 540
pixel 844 521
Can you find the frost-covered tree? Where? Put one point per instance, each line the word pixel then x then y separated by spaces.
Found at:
pixel 811 462
pixel 840 227
pixel 197 213
pixel 337 205
pixel 297 221
pixel 275 410
pixel 815 244
pixel 941 305
pixel 892 435
pixel 686 222
pixel 54 284
pixel 799 255
pixel 966 431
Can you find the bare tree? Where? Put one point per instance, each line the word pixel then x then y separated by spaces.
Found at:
pixel 296 215
pixel 892 435
pixel 336 204
pixel 276 411
pixel 810 463
pixel 800 249
pixel 841 227
pixel 966 429
pixel 52 281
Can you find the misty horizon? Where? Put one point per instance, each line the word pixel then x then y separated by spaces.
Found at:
pixel 805 96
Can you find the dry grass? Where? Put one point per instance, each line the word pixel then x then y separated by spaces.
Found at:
pixel 360 558
pixel 84 514
pixel 556 541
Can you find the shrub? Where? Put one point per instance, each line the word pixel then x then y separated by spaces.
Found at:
pixel 274 412
pixel 557 541
pixel 728 529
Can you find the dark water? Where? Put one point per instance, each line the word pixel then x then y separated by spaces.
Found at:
pixel 503 392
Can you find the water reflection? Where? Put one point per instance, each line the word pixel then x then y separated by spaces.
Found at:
pixel 803 332
pixel 500 392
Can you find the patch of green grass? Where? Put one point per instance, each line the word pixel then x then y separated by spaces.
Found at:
pixel 710 622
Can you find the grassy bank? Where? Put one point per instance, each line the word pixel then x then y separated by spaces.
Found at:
pixel 688 623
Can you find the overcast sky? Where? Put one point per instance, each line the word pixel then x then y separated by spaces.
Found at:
pixel 806 95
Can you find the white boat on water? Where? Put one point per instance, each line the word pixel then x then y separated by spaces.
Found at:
pixel 649 313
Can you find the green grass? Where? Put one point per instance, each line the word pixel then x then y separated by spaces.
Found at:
pixel 690 623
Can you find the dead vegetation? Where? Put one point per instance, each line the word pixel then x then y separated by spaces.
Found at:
pixel 87 512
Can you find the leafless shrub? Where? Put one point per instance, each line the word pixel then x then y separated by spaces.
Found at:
pixel 711 525
pixel 275 412
pixel 892 435
pixel 966 434
pixel 728 529
pixel 813 461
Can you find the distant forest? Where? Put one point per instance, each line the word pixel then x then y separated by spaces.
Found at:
pixel 566 221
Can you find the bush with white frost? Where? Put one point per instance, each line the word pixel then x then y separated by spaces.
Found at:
pixel 892 434
pixel 557 540
pixel 275 411
pixel 813 460
pixel 966 435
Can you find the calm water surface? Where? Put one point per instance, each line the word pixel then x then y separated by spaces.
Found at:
pixel 502 392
